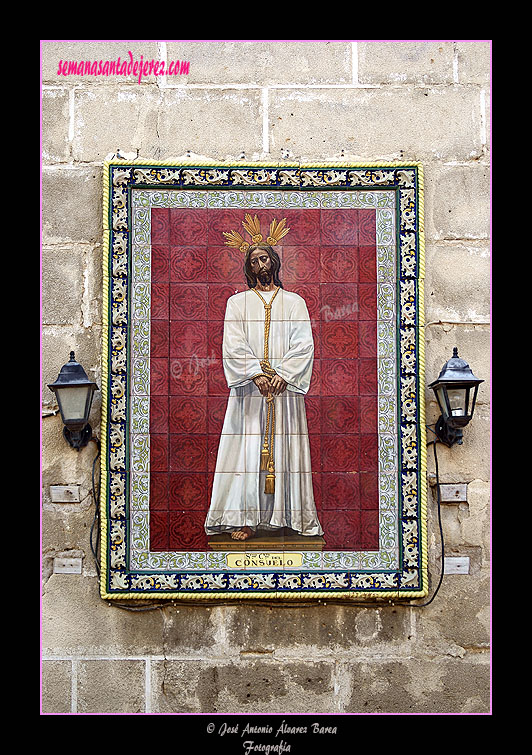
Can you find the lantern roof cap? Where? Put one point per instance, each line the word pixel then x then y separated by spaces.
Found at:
pixel 456 370
pixel 72 373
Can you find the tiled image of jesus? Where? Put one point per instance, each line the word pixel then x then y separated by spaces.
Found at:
pixel 263 475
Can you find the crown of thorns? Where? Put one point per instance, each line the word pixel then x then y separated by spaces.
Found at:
pixel 252 226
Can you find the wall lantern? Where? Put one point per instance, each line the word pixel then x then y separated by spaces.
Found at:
pixel 74 392
pixel 456 390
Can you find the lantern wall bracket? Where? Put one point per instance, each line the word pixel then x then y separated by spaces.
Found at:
pixel 447 434
pixel 77 438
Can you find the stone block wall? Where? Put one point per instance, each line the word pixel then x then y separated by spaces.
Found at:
pixel 300 101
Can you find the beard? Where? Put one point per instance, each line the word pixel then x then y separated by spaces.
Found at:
pixel 265 278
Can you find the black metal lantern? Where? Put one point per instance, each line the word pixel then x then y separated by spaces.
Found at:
pixel 456 391
pixel 74 392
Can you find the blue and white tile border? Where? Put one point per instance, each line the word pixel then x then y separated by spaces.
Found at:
pixel 129 569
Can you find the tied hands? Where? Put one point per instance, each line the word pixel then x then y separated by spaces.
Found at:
pixel 273 386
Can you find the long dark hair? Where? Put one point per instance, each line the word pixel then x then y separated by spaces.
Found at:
pixel 251 278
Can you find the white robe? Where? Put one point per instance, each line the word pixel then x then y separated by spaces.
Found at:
pixel 238 497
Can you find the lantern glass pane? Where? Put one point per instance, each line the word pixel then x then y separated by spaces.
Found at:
pixel 457 401
pixel 73 401
pixel 441 395
pixel 472 398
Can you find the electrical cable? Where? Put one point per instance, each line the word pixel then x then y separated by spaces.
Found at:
pixel 96 520
pixel 96 526
pixel 438 496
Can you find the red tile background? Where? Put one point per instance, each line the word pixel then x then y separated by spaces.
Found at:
pixel 329 258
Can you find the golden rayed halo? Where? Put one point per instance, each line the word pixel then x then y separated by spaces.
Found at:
pixel 252 226
pixel 277 232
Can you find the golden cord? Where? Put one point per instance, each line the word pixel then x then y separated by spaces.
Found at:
pixel 267 453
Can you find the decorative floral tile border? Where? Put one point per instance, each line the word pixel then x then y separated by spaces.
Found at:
pixel 131 190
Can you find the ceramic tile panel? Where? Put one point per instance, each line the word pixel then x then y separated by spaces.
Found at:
pixel 349 444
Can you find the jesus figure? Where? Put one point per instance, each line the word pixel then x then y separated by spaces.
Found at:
pixel 263 475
